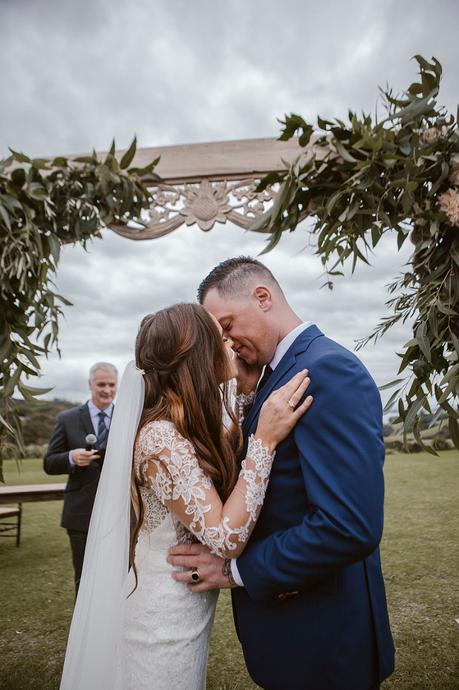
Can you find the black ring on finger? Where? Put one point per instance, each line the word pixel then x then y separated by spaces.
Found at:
pixel 195 579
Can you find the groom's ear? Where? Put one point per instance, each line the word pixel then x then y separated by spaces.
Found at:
pixel 263 296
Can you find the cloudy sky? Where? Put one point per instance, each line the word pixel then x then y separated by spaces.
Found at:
pixel 73 75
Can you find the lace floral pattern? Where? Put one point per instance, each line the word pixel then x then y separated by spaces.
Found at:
pixel 154 511
pixel 168 465
pixel 256 477
pixel 243 403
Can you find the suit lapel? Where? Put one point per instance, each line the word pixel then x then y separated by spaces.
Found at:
pixel 85 417
pixel 287 362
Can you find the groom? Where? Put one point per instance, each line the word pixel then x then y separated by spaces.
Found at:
pixel 308 592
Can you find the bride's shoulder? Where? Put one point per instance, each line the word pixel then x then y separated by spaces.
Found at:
pixel 157 425
pixel 158 428
pixel 158 435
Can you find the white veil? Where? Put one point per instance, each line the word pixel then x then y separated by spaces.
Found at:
pixel 95 632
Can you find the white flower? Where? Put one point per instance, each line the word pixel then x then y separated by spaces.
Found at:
pixel 449 204
pixel 188 484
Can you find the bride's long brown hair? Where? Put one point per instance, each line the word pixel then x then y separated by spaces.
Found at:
pixel 186 371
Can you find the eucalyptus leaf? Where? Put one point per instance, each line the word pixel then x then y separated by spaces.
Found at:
pixel 129 155
pixel 20 157
pixel 391 384
pixel 36 191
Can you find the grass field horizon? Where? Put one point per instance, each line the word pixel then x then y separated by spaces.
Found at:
pixel 420 560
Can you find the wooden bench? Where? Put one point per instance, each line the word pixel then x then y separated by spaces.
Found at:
pixel 23 493
pixel 10 521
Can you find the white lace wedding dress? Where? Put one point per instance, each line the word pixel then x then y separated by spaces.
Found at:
pixel 166 627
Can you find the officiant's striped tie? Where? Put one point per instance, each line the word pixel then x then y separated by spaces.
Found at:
pixel 102 431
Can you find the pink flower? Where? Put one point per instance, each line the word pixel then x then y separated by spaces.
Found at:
pixel 449 204
pixel 429 136
pixel 454 177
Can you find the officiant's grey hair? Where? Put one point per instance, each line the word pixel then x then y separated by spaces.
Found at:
pixel 104 366
pixel 234 277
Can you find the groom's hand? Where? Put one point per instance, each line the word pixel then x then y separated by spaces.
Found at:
pixel 198 556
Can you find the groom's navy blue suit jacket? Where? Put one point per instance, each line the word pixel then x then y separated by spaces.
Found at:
pixel 312 614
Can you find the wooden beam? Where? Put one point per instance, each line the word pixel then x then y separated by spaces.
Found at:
pixel 229 160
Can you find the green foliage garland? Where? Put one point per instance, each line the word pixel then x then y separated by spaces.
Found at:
pixel 366 177
pixel 44 205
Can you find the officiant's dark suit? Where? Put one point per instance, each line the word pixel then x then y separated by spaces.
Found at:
pixel 67 455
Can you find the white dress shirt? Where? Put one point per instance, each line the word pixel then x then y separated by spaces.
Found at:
pixel 281 349
pixel 93 412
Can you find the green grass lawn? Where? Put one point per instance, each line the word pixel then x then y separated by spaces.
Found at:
pixel 420 559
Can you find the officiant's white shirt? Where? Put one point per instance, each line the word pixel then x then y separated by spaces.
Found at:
pixel 281 349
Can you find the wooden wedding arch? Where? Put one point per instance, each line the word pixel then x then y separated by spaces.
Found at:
pixel 210 183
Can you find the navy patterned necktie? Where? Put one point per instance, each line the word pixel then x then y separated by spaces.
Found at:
pixel 102 430
pixel 264 379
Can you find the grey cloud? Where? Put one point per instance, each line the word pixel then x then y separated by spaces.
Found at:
pixel 78 73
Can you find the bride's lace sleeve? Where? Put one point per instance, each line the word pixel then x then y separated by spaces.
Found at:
pixel 171 469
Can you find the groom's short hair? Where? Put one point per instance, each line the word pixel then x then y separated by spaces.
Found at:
pixel 234 276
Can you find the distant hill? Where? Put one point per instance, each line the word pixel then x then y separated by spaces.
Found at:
pixel 39 418
pixel 434 430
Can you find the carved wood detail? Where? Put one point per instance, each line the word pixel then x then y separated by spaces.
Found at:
pixel 202 203
pixel 205 184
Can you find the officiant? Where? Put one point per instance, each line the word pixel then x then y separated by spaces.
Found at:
pixel 77 448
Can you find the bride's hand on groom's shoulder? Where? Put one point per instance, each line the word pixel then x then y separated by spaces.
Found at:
pixel 282 410
pixel 198 557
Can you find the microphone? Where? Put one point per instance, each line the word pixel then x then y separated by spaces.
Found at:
pixel 90 441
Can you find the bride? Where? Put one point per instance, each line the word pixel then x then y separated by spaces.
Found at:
pixel 170 452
